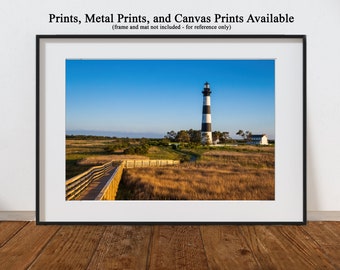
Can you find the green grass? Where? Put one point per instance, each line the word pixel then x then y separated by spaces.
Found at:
pixel 81 149
pixel 163 152
pixel 77 150
pixel 73 169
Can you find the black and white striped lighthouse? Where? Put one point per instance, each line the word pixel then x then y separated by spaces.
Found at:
pixel 206 116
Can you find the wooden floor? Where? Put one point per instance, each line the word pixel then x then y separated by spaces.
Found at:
pixel 23 245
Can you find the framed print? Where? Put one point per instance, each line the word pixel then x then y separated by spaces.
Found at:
pixel 171 129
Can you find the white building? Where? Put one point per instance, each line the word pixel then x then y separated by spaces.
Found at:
pixel 259 139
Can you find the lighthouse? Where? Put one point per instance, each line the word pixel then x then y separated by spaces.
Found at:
pixel 206 116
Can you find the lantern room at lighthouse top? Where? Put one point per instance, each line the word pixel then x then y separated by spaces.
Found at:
pixel 206 91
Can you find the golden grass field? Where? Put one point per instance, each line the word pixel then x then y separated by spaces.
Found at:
pixel 84 154
pixel 218 175
pixel 221 173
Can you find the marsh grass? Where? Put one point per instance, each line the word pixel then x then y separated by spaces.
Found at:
pixel 221 173
pixel 78 150
pixel 161 152
pixel 217 175
pixel 82 154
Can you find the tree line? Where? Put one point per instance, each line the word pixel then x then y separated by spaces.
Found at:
pixel 195 136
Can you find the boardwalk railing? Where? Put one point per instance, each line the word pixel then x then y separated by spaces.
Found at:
pixel 109 191
pixel 77 184
pixel 149 163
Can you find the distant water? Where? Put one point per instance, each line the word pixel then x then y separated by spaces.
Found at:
pixel 118 134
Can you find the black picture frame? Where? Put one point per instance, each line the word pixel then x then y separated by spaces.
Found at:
pixel 51 207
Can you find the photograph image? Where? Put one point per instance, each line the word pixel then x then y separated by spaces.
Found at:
pixel 170 129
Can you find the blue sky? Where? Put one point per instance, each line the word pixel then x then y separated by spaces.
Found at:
pixel 150 97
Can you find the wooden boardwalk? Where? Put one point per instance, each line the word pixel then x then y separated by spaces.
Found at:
pixel 95 187
pixel 91 183
pixel 23 245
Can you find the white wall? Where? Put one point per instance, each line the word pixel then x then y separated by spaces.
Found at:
pixel 21 20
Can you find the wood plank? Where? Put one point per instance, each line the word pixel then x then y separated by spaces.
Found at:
pixel 25 245
pixel 327 235
pixel 72 247
pixel 226 249
pixel 177 247
pixel 21 250
pixel 123 247
pixel 9 229
pixel 284 247
pixel 302 245
pixel 332 253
